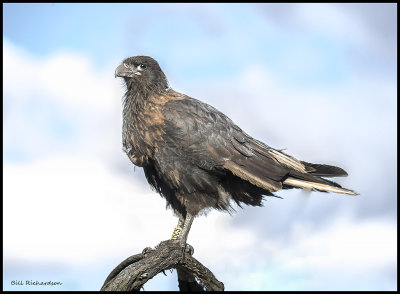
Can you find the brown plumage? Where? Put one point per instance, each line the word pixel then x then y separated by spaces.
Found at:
pixel 196 157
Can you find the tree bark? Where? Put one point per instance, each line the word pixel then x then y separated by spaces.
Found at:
pixel 136 270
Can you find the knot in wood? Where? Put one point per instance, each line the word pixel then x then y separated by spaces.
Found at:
pixel 143 276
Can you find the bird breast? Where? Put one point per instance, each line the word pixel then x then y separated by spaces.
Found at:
pixel 143 127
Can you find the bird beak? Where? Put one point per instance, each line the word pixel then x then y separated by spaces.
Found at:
pixel 123 71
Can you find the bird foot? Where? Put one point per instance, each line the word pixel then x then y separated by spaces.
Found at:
pixel 146 251
pixel 185 247
pixel 188 249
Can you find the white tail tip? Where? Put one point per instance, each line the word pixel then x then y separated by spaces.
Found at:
pixel 317 186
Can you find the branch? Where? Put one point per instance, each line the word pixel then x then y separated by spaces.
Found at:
pixel 135 271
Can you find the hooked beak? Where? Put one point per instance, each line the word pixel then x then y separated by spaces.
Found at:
pixel 126 71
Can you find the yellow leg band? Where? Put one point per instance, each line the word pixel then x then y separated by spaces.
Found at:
pixel 177 232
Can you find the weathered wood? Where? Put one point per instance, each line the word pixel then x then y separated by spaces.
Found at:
pixel 136 270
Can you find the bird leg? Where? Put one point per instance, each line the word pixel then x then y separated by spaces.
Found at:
pixel 186 228
pixel 184 234
pixel 181 232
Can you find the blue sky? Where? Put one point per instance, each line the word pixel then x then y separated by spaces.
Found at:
pixel 97 30
pixel 317 79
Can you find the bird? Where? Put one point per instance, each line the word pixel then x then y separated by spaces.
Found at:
pixel 196 157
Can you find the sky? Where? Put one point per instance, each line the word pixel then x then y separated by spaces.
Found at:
pixel 318 80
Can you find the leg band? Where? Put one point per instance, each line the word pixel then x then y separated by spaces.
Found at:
pixel 177 232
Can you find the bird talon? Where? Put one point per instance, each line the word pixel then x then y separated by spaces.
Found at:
pixel 183 249
pixel 189 249
pixel 186 249
pixel 146 251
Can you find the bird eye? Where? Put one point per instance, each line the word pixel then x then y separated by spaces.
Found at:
pixel 142 65
pixel 125 65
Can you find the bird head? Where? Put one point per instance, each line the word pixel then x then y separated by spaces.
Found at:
pixel 142 73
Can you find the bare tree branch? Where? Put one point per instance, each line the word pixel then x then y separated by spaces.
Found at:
pixel 135 271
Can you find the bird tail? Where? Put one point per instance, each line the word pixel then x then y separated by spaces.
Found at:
pixel 324 170
pixel 298 183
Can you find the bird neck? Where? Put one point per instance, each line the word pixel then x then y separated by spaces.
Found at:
pixel 145 87
pixel 135 100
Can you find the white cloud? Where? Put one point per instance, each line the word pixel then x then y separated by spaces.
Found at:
pixel 73 210
pixel 338 256
pixel 362 246
pixel 332 19
pixel 65 76
pixel 59 105
pixel 347 23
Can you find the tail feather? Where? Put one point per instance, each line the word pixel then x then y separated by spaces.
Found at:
pixel 324 170
pixel 290 181
pixel 272 170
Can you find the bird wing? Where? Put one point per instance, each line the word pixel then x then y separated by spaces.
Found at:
pixel 210 140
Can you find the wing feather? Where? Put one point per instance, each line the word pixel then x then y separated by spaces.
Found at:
pixel 210 140
pixel 244 173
